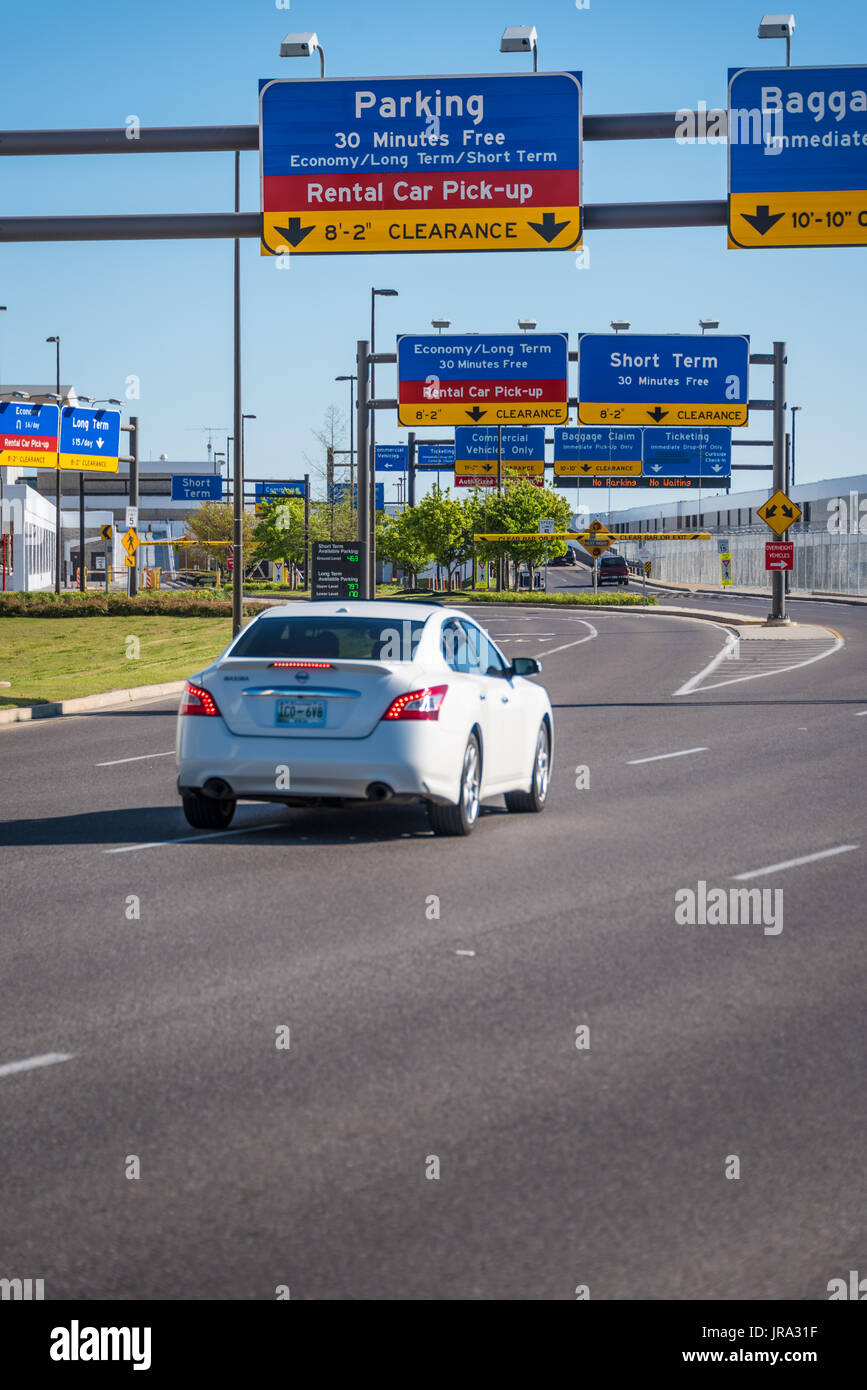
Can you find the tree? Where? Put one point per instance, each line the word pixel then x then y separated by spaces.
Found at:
pixel 399 540
pixel 213 525
pixel 279 534
pixel 519 508
pixel 443 529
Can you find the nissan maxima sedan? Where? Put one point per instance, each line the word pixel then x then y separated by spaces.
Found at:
pixel 328 704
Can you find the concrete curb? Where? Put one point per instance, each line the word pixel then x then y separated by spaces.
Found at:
pixel 802 595
pixel 55 709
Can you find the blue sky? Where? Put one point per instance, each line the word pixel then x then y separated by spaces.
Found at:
pixel 162 310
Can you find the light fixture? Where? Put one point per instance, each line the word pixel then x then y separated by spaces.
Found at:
pixel 303 46
pixel 521 38
pixel 704 324
pixel 779 26
pixel 440 324
pixel 527 324
pixel 620 325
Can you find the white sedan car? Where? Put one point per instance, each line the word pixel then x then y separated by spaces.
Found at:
pixel 321 704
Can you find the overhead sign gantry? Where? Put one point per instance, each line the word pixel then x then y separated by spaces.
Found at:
pixel 487 163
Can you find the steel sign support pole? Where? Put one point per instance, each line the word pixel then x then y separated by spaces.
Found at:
pixel 82 573
pixel 238 429
pixel 306 530
pixel 778 583
pixel 363 397
pixel 410 466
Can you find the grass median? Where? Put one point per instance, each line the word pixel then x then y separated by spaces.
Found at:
pixel 60 658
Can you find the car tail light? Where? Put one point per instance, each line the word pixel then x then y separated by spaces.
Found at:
pixel 418 704
pixel 197 700
pixel 308 665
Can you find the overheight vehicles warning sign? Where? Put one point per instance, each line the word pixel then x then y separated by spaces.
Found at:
pixel 475 379
pixel 662 379
pixel 797 149
pixel 487 163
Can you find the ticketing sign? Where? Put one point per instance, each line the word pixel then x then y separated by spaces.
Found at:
pixel 487 163
pixel 520 378
pixel 687 458
pixel 662 379
pixel 434 457
pixel 28 435
pixel 797 151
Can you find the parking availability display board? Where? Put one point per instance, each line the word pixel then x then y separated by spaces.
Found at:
pixel 487 163
pixel 797 153
pixel 655 379
pixel 336 570
pixel 495 380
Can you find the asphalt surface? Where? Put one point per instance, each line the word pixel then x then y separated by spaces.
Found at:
pixel 413 1036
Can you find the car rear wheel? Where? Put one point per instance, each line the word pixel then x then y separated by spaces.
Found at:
pixel 535 798
pixel 206 813
pixel 460 819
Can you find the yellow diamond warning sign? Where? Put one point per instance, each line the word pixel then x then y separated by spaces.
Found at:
pixel 779 512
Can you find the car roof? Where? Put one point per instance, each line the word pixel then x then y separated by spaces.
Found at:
pixel 356 608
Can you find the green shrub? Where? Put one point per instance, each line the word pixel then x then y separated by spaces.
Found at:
pixel 94 605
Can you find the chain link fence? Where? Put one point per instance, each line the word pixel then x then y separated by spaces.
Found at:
pixel 824 561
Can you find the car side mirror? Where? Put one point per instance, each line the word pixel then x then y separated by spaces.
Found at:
pixel 526 666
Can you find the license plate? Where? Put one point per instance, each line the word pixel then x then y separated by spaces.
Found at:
pixel 305 713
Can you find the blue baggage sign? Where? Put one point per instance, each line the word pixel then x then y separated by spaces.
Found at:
pixel 797 156
pixel 655 379
pixel 602 451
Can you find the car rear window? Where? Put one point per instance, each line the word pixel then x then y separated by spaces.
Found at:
pixel 358 639
pixel 612 560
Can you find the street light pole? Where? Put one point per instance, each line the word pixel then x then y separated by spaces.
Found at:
pixel 352 380
pixel 58 540
pixel 238 427
pixel 390 294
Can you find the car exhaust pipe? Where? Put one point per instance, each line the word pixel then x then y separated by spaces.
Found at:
pixel 218 789
pixel 379 791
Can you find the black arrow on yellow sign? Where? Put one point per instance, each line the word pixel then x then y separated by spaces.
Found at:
pixel 762 219
pixel 476 414
pixel 549 227
pixel 657 414
pixel 294 233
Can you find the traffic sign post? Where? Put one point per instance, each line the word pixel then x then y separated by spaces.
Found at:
pixel 446 163
pixel 725 568
pixel 797 157
pixel 501 380
pixel 655 379
pixel 483 453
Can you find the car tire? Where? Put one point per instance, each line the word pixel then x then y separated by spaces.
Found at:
pixel 534 800
pixel 205 813
pixel 460 819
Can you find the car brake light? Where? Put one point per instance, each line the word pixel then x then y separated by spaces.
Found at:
pixel 308 665
pixel 197 700
pixel 418 704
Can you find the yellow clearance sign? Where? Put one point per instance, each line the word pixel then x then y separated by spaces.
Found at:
pixel 526 468
pixel 624 413
pixel 515 230
pixel 798 219
pixel 602 468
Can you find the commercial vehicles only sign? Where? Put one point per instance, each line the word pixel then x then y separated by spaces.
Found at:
pixel 655 379
pixel 483 451
pixel 797 153
pixel 488 163
pixel 475 379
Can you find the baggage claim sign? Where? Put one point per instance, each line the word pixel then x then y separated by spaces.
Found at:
pixel 421 163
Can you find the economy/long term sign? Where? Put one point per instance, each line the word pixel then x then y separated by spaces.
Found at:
pixel 489 163
pixel 473 379
pixel 655 379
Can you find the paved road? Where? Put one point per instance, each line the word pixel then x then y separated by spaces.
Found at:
pixel 454 1037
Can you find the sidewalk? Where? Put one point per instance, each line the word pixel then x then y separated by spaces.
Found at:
pixel 717 590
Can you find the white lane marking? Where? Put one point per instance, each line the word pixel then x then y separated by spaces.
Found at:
pixel 658 757
pixel 465 953
pixel 142 757
pixel 794 863
pixel 48 1059
pixel 190 839
pixel 577 643
pixel 860 712
pixel 690 686
pixel 729 649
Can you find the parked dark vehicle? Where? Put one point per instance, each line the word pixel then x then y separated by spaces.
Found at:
pixel 613 569
pixel 567 559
